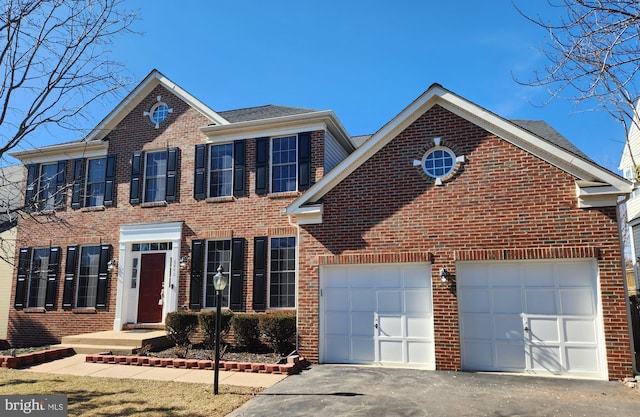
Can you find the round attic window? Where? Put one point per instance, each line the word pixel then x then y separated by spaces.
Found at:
pixel 158 113
pixel 438 162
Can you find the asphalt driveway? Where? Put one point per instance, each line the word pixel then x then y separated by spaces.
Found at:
pixel 337 390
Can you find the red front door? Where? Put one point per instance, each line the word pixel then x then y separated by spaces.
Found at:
pixel 149 293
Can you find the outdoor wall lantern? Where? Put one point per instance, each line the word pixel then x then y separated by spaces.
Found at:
pixel 112 264
pixel 183 261
pixel 444 275
pixel 220 282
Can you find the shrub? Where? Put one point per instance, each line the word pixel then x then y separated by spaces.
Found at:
pixel 180 326
pixel 208 327
pixel 279 330
pixel 246 330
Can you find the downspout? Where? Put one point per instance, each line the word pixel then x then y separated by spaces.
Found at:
pixel 297 227
pixel 619 203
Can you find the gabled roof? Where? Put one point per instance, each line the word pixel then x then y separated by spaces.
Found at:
pixel 548 133
pixel 595 185
pixel 261 112
pixel 139 93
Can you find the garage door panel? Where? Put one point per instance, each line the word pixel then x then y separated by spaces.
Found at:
pixel 476 327
pixel 544 329
pixel 360 300
pixel 506 300
pixel 389 301
pixel 420 327
pixel 546 359
pixel 509 356
pixel 577 302
pixel 508 327
pixel 478 356
pixel 418 302
pixel 395 297
pixel 579 330
pixel 361 324
pixel 362 351
pixel 474 300
pixel 336 324
pixel 541 301
pixel 555 301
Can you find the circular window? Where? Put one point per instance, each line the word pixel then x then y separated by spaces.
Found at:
pixel 438 162
pixel 158 113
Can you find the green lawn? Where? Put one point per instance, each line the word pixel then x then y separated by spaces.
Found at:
pixel 110 397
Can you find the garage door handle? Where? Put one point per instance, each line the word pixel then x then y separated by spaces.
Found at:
pixel 526 329
pixel 375 325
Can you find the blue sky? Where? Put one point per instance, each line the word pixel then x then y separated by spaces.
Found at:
pixel 365 60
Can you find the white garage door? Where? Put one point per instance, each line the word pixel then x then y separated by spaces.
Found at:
pixel 535 317
pixel 378 314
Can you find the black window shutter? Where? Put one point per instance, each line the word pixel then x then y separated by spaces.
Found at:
pixel 109 180
pixel 32 187
pixel 103 277
pixel 197 263
pixel 52 279
pixel 69 277
pixel 260 273
pixel 262 164
pixel 60 184
pixel 238 168
pixel 76 189
pixel 304 161
pixel 24 261
pixel 237 269
pixel 200 175
pixel 172 175
pixel 136 177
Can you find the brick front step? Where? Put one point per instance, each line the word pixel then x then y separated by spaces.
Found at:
pixel 35 358
pixel 294 366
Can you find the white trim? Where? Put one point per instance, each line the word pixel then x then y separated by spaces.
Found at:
pixel 141 233
pixel 64 151
pixel 138 94
pixel 281 126
pixel 510 132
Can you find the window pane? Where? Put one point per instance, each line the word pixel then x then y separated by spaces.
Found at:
pixel 282 278
pixel 88 276
pixel 284 164
pixel 96 175
pixel 218 253
pixel 221 170
pixel 38 277
pixel 48 180
pixel 155 176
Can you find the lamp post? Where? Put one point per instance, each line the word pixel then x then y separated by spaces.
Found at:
pixel 219 283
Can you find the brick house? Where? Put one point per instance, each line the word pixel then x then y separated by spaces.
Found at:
pixel 449 239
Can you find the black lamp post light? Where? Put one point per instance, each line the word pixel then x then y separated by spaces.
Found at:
pixel 219 283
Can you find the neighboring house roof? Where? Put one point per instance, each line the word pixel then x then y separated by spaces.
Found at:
pixel 596 186
pixel 548 133
pixel 261 112
pixel 359 139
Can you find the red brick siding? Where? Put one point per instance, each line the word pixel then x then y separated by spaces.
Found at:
pixel 502 201
pixel 245 217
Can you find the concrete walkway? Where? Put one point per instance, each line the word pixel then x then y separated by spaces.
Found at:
pixel 76 365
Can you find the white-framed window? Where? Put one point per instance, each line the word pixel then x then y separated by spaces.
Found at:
pixel 218 252
pixel 282 272
pixel 88 269
pixel 38 277
pixel 155 176
pixel 95 184
pixel 439 162
pixel 221 170
pixel 284 164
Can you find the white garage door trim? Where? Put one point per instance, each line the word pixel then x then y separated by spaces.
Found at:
pixel 377 314
pixel 538 317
